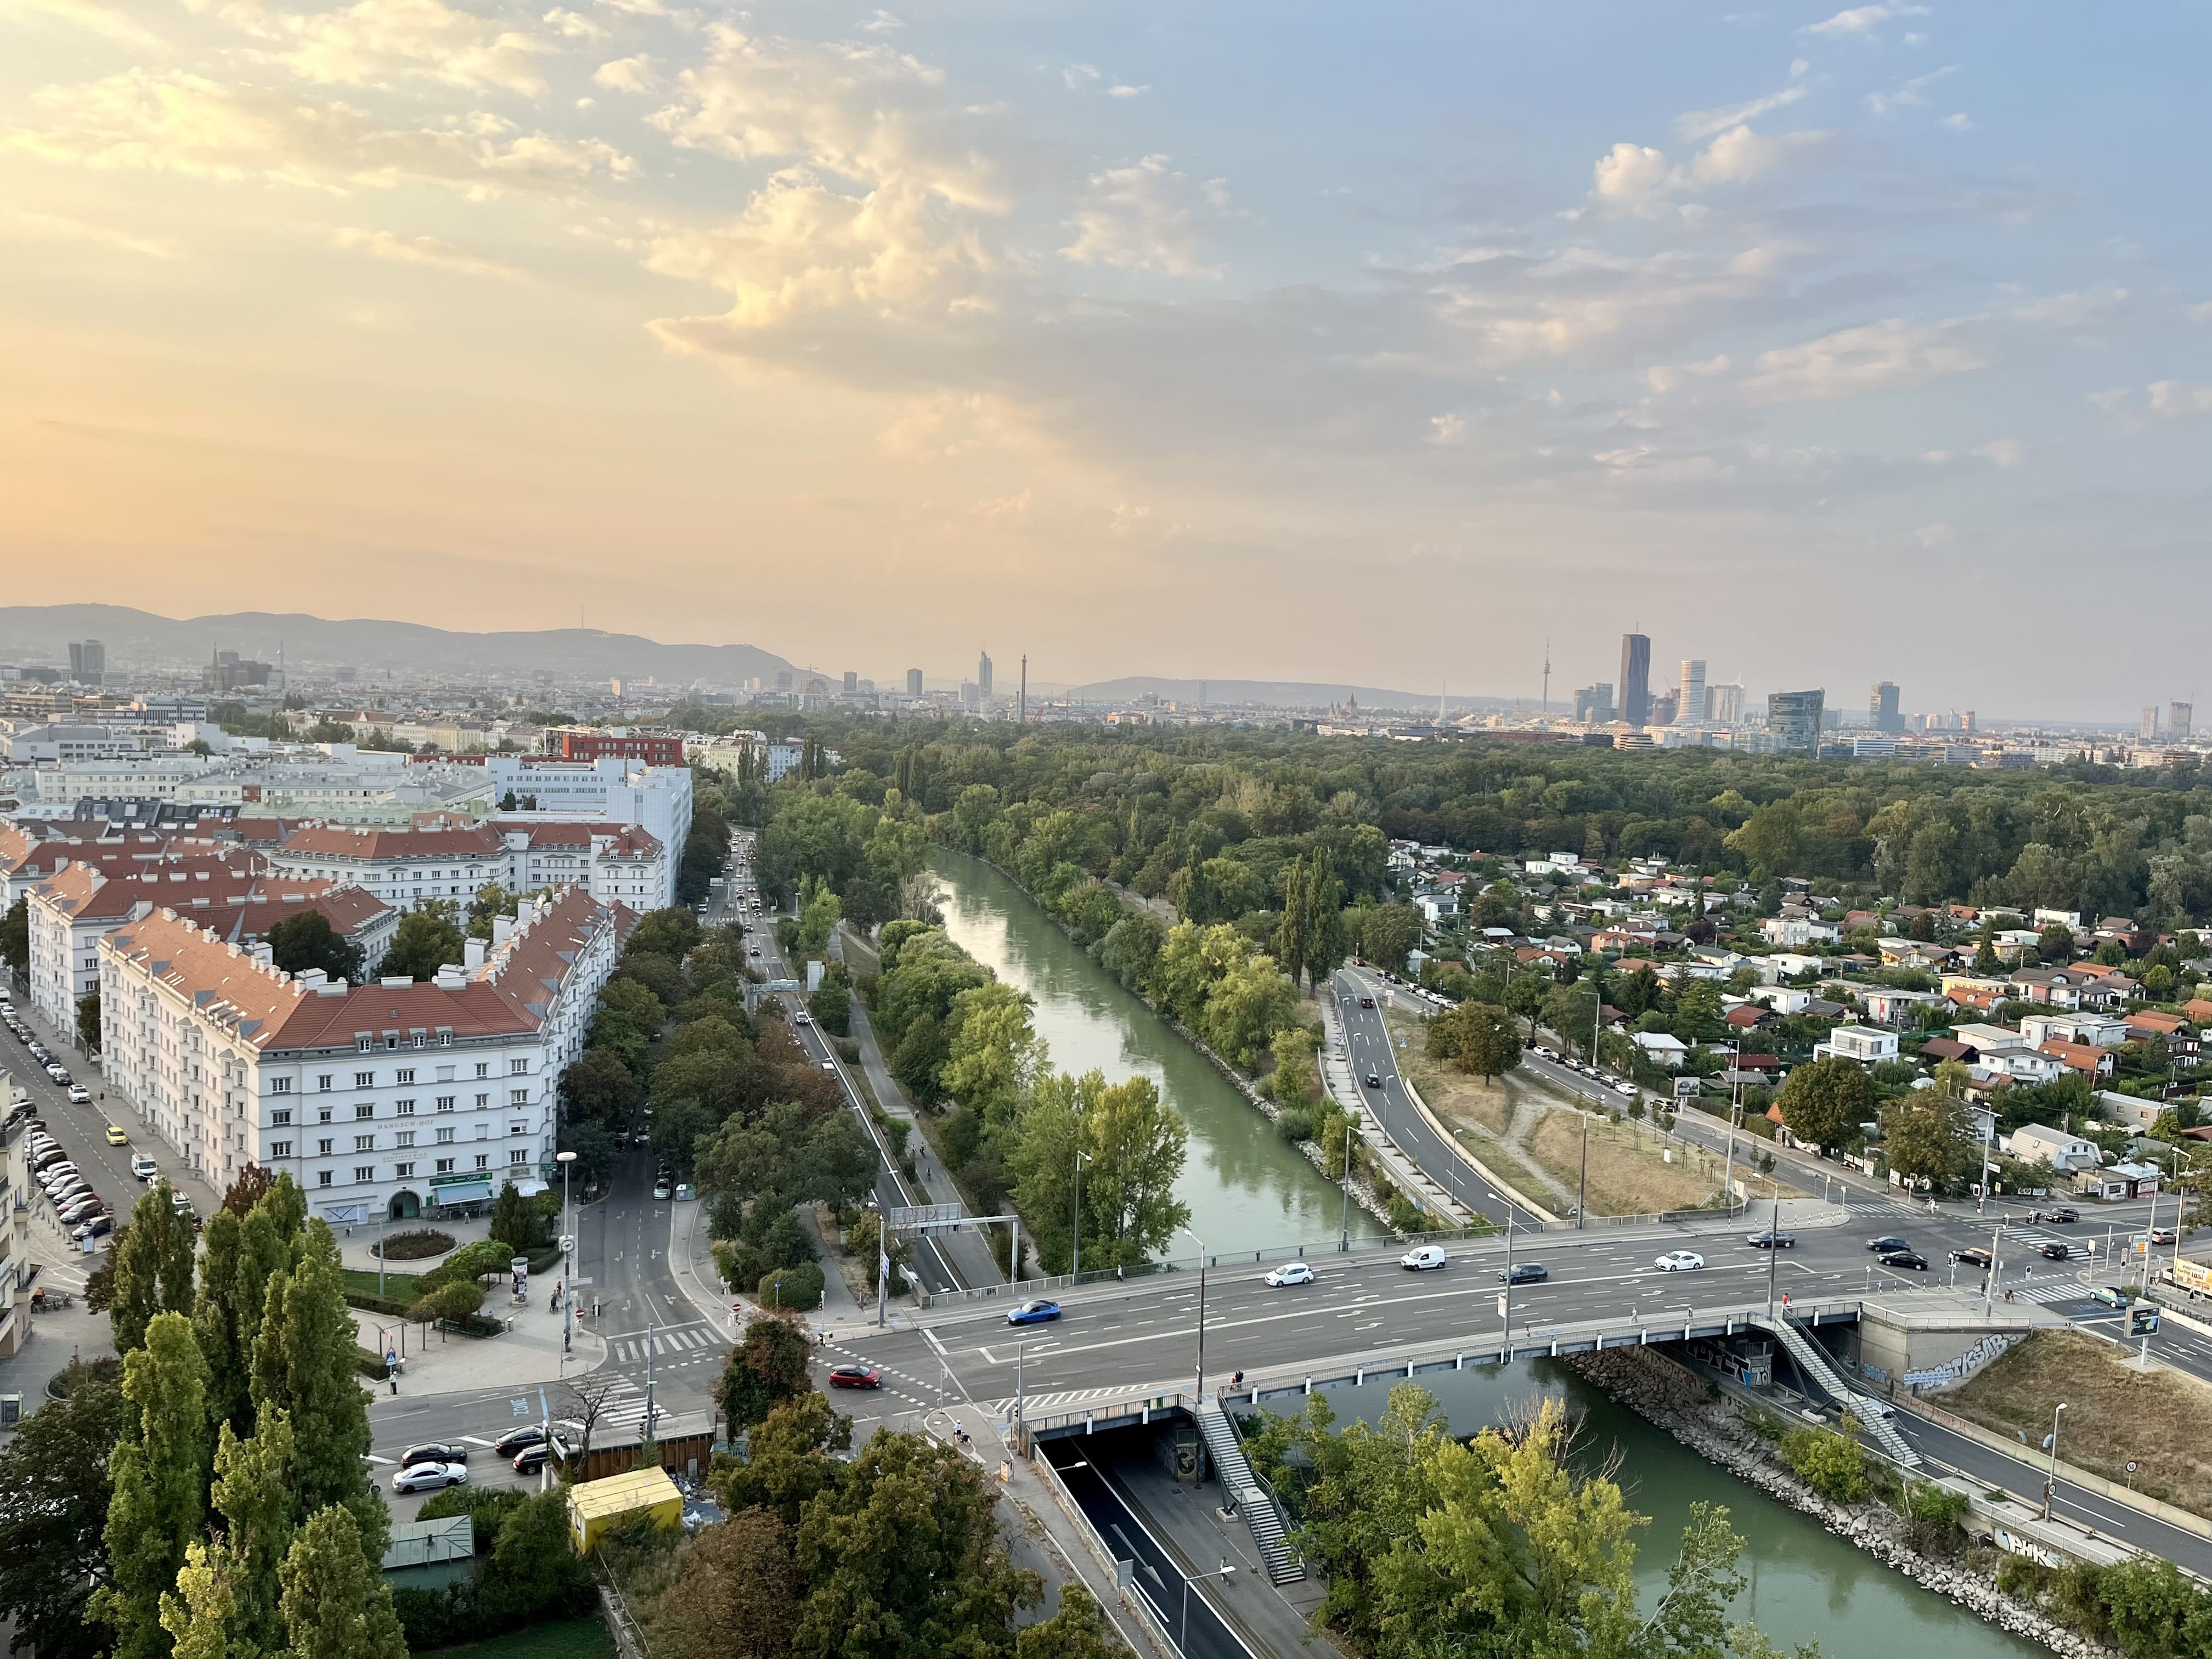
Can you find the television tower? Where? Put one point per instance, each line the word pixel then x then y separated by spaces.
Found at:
pixel 1547 677
pixel 1022 709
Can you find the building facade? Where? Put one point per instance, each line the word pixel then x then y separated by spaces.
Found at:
pixel 1793 720
pixel 1634 682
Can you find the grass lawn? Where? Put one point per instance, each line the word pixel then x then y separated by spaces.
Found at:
pixel 560 1639
pixel 399 1285
pixel 2161 1419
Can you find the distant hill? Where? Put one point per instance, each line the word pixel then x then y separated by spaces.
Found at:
pixel 1272 694
pixel 35 635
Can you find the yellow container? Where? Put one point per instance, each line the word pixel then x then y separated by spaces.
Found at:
pixel 594 1506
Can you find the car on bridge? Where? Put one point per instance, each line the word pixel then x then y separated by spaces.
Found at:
pixel 1423 1259
pixel 1680 1261
pixel 855 1376
pixel 1036 1311
pixel 1291 1273
pixel 1766 1238
pixel 1905 1258
pixel 1525 1272
pixel 1883 1246
pixel 1972 1256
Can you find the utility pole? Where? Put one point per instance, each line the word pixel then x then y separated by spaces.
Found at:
pixel 1582 1193
pixel 2051 1481
pixel 1989 1279
pixel 1195 1239
pixel 1506 1297
pixel 1075 1265
pixel 1344 1240
pixel 1773 1254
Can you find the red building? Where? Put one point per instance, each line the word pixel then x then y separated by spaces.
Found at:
pixel 654 750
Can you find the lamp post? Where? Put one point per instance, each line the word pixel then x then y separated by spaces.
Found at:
pixel 1344 1239
pixel 1075 1264
pixel 1201 1243
pixel 568 1257
pixel 1225 1571
pixel 2051 1483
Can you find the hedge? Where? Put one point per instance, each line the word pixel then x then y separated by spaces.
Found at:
pixel 798 1289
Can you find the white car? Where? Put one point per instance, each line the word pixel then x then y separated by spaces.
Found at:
pixel 429 1477
pixel 143 1167
pixel 1291 1273
pixel 79 1095
pixel 1421 1260
pixel 1680 1261
pixel 802 1018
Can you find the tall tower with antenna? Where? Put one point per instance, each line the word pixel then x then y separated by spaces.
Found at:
pixel 1022 709
pixel 1547 677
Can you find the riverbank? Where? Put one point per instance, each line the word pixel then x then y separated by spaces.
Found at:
pixel 1672 1399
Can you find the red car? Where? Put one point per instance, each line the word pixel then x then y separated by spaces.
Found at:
pixel 855 1376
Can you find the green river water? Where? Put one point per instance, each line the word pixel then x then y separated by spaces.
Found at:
pixel 1248 1189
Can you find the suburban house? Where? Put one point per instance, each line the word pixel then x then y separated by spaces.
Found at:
pixel 2090 1062
pixel 2098 1030
pixel 1863 1043
pixel 1888 1006
pixel 1662 1049
pixel 2034 1143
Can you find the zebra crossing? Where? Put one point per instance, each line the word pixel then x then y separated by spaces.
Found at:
pixel 691 1341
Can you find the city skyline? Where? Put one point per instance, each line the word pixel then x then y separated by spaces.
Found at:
pixel 1030 324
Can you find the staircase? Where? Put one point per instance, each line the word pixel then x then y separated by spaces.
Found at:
pixel 1252 1500
pixel 1814 1362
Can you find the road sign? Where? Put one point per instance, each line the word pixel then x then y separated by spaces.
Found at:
pixel 905 1217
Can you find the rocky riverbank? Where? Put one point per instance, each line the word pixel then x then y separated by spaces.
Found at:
pixel 1664 1393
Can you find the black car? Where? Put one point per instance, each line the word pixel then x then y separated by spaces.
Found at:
pixel 1767 1239
pixel 2057 1218
pixel 515 1439
pixel 2055 1251
pixel 1911 1259
pixel 1883 1246
pixel 531 1459
pixel 1972 1256
pixel 1525 1272
pixel 433 1452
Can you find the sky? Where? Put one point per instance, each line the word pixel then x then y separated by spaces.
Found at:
pixel 1370 344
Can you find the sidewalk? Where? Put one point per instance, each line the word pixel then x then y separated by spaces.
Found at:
pixel 1336 1076
pixel 436 1362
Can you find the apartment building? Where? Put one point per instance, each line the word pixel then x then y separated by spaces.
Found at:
pixel 394 1098
pixel 83 899
pixel 615 863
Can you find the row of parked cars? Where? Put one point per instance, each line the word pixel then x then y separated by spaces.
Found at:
pixel 437 1463
pixel 1596 1073
pixel 76 1204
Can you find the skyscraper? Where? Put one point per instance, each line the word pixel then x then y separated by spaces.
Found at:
pixel 1635 678
pixel 87 661
pixel 1593 703
pixel 852 682
pixel 1690 703
pixel 1881 707
pixel 2180 720
pixel 983 674
pixel 1793 718
pixel 913 682
pixel 2148 733
pixel 1724 704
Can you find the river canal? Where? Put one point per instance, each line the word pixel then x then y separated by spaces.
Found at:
pixel 1246 1187
pixel 1249 1188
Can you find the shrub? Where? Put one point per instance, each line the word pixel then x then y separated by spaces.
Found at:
pixel 1407 1216
pixel 486 1506
pixel 413 1246
pixel 1295 1125
pixel 2021 1578
pixel 1935 1519
pixel 798 1289
pixel 1833 1465
pixel 370 1364
pixel 1767 1425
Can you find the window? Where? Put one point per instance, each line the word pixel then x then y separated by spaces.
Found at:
pixel 364 1079
pixel 483 1101
pixel 445 1135
pixel 363 1042
pixel 403 1171
pixel 364 1173
pixel 445 1166
pixel 280 1149
pixel 364 1111
pixel 323 1082
pixel 444 1074
pixel 392 1039
pixel 280 1118
pixel 404 1076
pixel 484 1068
pixel 518 1096
pixel 322 1177
pixel 483 1131
pixel 323 1149
pixel 404 1107
pixel 364 1143
pixel 517 1158
pixel 483 1160
pixel 406 1138
pixel 280 1085
pixel 517 1068
pixel 446 1103
pixel 323 1115
pixel 445 1040
pixel 518 1129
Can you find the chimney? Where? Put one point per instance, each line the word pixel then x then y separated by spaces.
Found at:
pixel 473 956
pixel 262 953
pixel 501 929
pixel 451 978
pixel 312 978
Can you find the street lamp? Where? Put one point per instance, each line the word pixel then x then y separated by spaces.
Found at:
pixel 1201 1243
pixel 1224 1572
pixel 1075 1265
pixel 1344 1240
pixel 2051 1483
pixel 568 1257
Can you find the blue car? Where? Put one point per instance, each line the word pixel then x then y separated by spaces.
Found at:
pixel 1033 1313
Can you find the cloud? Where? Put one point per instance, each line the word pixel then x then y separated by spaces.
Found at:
pixel 2173 400
pixel 1879 356
pixel 1910 94
pixel 424 251
pixel 1076 77
pixel 878 22
pixel 367 43
pixel 189 126
pixel 1936 535
pixel 1127 91
pixel 2004 452
pixel 1740 154
pixel 1145 217
pixel 1637 180
pixel 94 16
pixel 1696 124
pixel 1663 378
pixel 1958 122
pixel 2070 310
pixel 948 424
pixel 628 74
pixel 1862 22
pixel 1630 178
pixel 57 228
pixel 574 25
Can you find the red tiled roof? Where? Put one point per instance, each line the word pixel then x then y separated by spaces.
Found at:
pixel 327 841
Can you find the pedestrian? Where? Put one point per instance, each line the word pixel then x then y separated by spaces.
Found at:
pixel 395 1385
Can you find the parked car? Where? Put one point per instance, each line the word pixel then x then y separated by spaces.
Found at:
pixel 81 1096
pixel 1036 1311
pixel 1884 1246
pixel 143 1167
pixel 855 1376
pixel 1767 1239
pixel 2055 1250
pixel 1291 1273
pixel 1680 1261
pixel 1421 1260
pixel 1525 1272
pixel 531 1459
pixel 1972 1256
pixel 515 1439
pixel 429 1477
pixel 1911 1259
pixel 86 1205
pixel 661 1189
pixel 435 1451
pixel 95 1226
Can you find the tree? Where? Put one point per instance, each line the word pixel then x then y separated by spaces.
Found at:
pixel 1987 964
pixel 491 902
pixel 739 1596
pixel 517 1222
pixel 306 939
pixel 427 940
pixel 1296 1081
pixel 87 1018
pixel 153 1267
pixel 600 1089
pixel 1387 932
pixel 768 1366
pixel 1825 1102
pixel 832 1007
pixel 54 1494
pixel 455 1299
pixel 920 1059
pixel 1078 1631
pixel 1324 898
pixel 226 1601
pixel 303 1366
pixel 1246 1008
pixel 1293 932
pixel 535 1569
pixel 336 1603
pixel 993 1054
pixel 1478 1037
pixel 159 1470
pixel 1928 1134
pixel 16 936
pixel 1572 1011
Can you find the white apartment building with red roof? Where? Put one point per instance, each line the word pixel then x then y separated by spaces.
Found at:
pixel 394 1098
pixel 615 863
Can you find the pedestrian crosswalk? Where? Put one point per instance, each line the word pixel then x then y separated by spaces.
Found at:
pixel 675 1341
